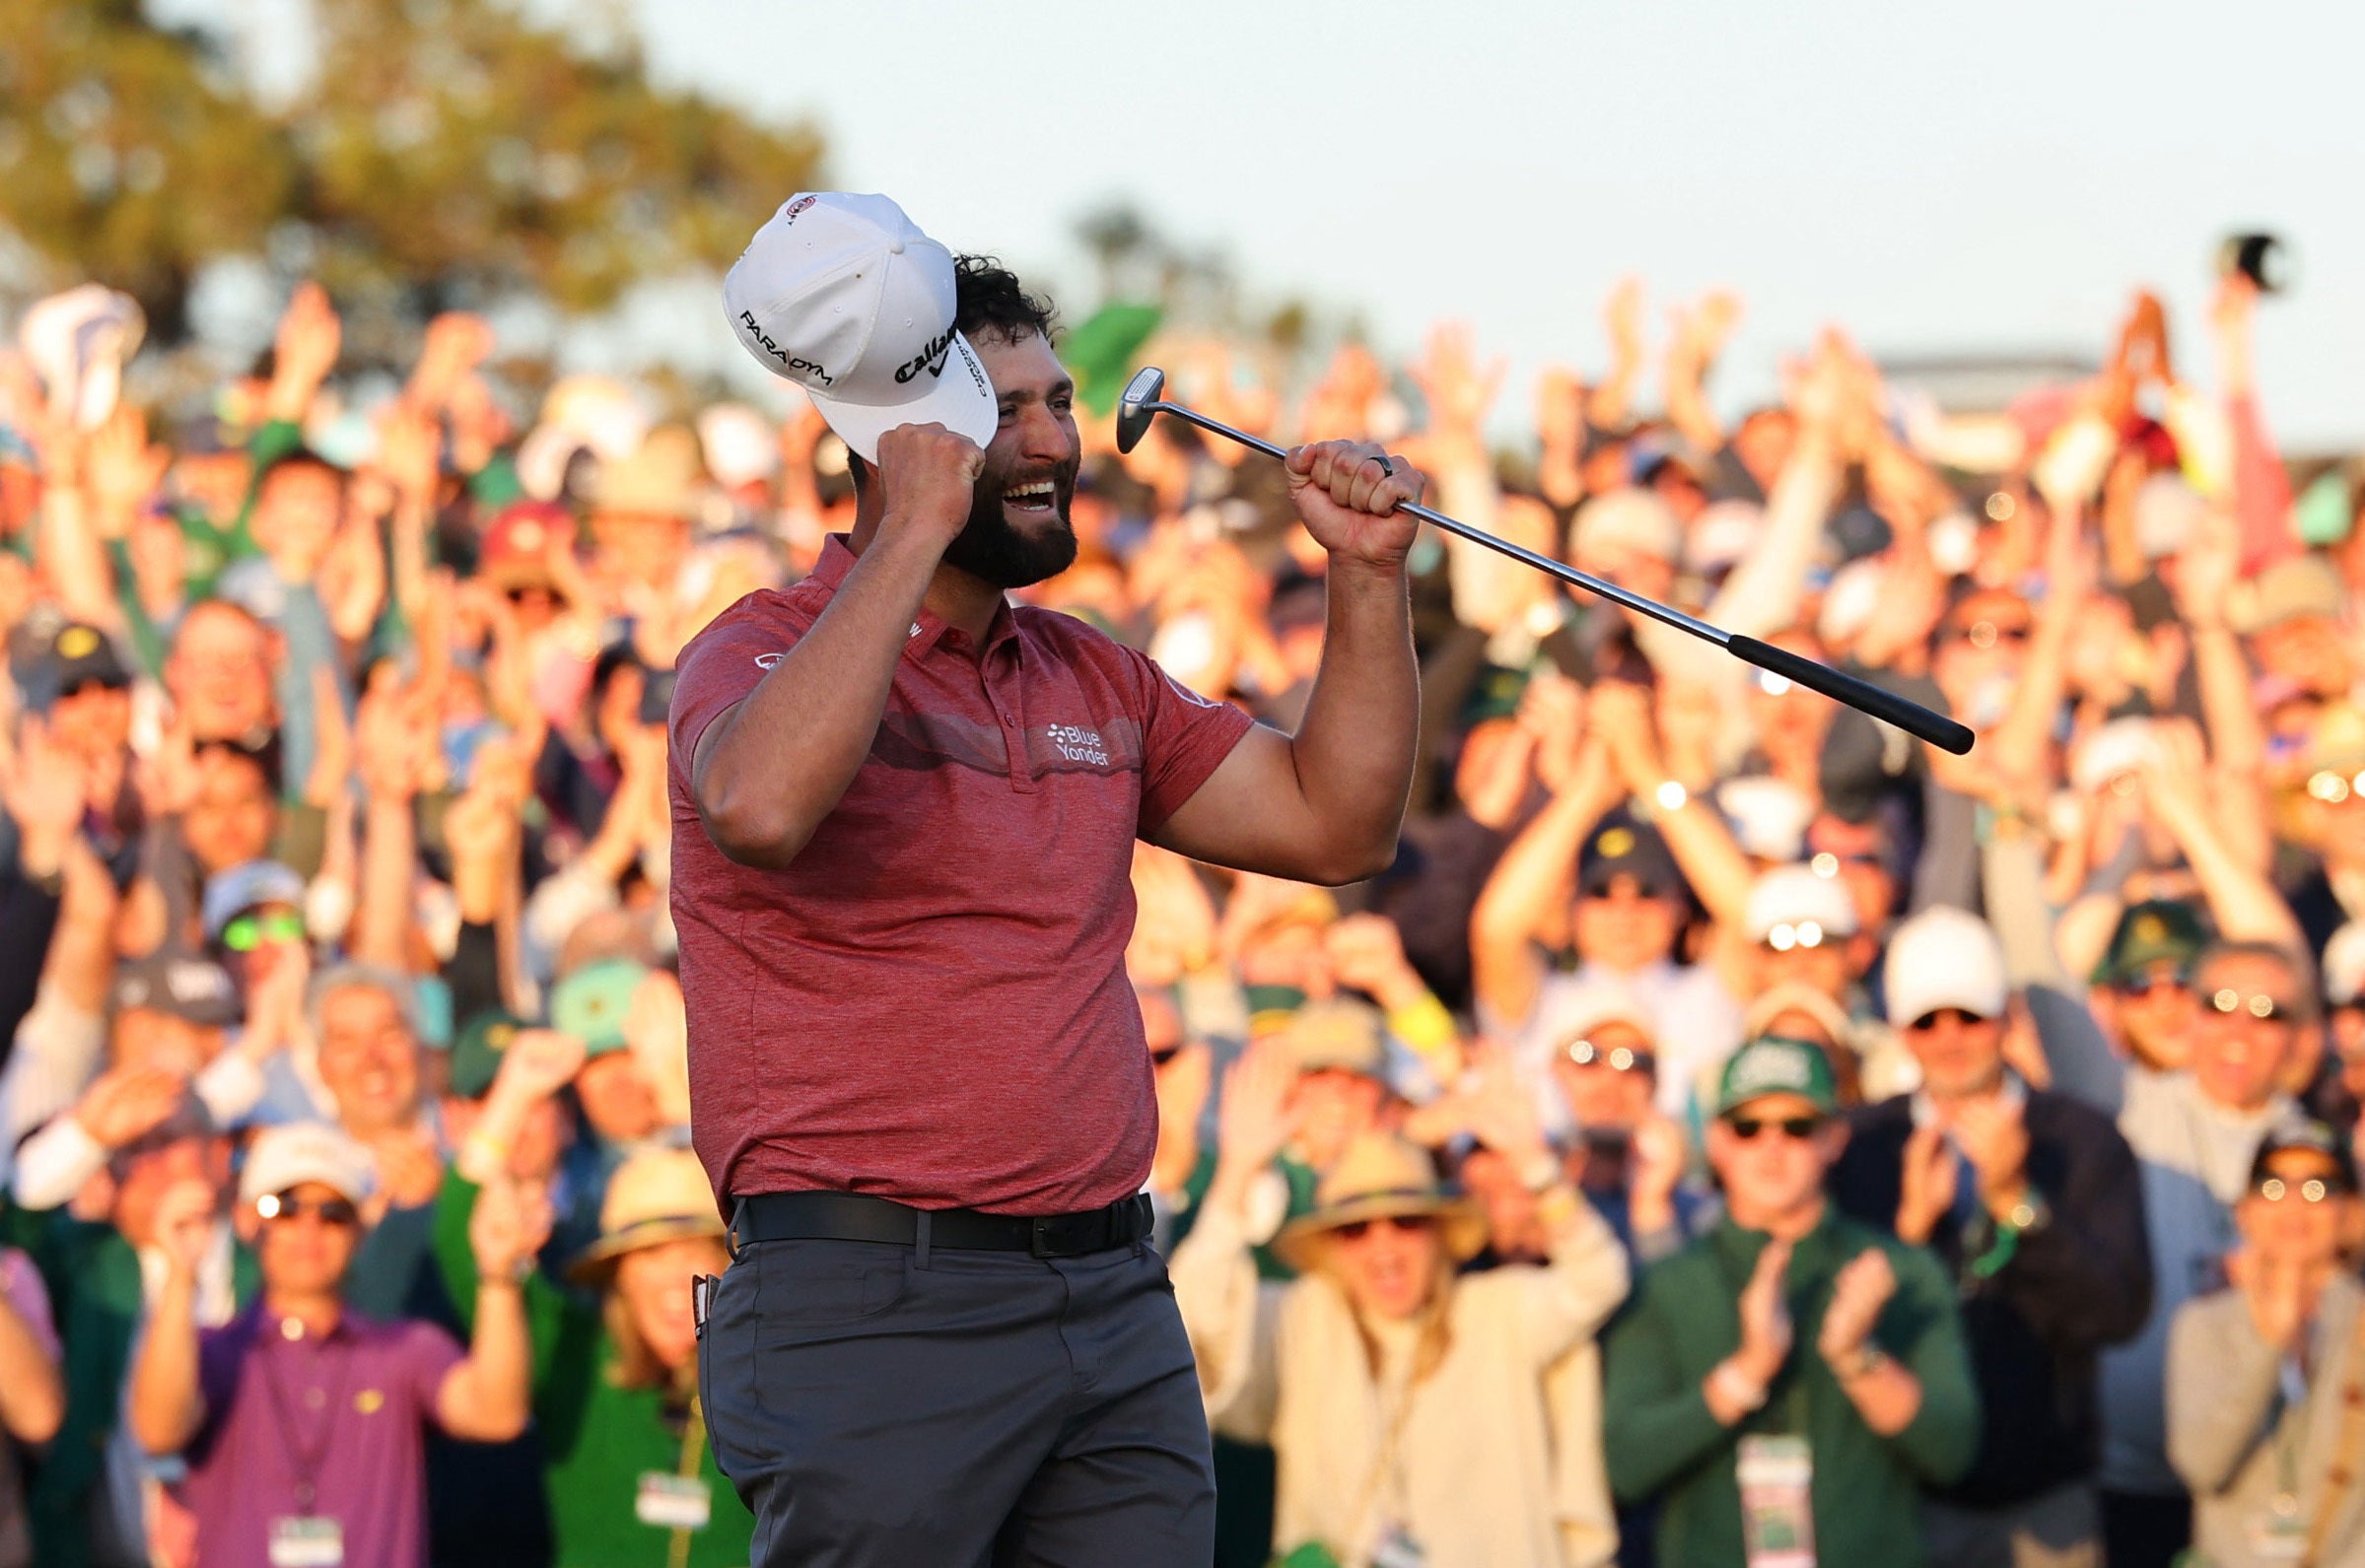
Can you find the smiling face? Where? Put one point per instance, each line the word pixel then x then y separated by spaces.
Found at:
pixel 369 1061
pixel 2246 1030
pixel 654 1283
pixel 1018 531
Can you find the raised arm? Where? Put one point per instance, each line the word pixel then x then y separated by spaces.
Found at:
pixel 488 1397
pixel 1505 968
pixel 1324 805
pixel 167 1405
pixel 773 766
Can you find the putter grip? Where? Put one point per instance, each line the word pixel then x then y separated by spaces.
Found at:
pixel 1859 694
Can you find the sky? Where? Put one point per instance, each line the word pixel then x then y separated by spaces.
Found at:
pixel 1936 177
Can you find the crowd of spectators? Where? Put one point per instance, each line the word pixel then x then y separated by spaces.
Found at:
pixel 1730 1132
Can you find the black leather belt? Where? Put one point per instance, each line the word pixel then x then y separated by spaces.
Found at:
pixel 858 1217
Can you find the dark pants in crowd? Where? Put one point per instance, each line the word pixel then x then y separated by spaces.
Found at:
pixel 2140 1531
pixel 986 1407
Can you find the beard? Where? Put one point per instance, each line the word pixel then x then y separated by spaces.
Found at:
pixel 994 551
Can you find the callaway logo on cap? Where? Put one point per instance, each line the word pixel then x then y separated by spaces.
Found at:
pixel 844 296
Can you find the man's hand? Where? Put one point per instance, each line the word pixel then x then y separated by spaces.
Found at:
pixel 184 1224
pixel 507 1228
pixel 928 476
pixel 1993 1136
pixel 1347 494
pixel 1255 1121
pixel 121 469
pixel 537 1066
pixel 1182 1086
pixel 1766 1328
pixel 44 790
pixel 1860 1291
pixel 303 351
pixel 1931 1177
pixel 1656 1168
pixel 1500 1112
pixel 128 1103
pixel 1366 952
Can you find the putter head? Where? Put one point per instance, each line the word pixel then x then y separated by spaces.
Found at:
pixel 1137 405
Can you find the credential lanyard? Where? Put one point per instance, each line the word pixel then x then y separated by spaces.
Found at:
pixel 304 1457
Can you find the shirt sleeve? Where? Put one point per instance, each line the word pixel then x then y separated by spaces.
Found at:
pixel 428 1356
pixel 720 667
pixel 1185 738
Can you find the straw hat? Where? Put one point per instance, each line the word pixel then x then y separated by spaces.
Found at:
pixel 1376 1178
pixel 657 1196
pixel 657 479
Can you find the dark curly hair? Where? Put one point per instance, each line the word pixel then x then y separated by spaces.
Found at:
pixel 989 298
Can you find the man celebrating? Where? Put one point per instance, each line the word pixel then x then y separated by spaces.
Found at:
pixel 904 814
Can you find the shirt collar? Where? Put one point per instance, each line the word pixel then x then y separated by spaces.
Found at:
pixel 2013 1093
pixel 928 629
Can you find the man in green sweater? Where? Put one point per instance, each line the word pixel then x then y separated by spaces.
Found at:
pixel 1788 1383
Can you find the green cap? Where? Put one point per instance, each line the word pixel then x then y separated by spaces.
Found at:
pixel 2155 931
pixel 2321 515
pixel 476 1054
pixel 1777 1065
pixel 591 1004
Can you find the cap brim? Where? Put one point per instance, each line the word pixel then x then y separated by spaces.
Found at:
pixel 597 1262
pixel 959 397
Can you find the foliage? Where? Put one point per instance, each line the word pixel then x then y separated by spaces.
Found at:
pixel 448 151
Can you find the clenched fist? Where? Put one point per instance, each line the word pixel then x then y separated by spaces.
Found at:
pixel 1347 494
pixel 929 475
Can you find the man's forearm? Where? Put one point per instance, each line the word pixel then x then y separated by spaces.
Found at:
pixel 1353 751
pixel 500 1365
pixel 165 1406
pixel 770 770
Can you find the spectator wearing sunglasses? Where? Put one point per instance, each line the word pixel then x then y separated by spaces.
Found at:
pixel 2267 1379
pixel 2032 1203
pixel 2195 1134
pixel 1405 1402
pixel 1795 1379
pixel 1625 1155
pixel 2143 987
pixel 303 1420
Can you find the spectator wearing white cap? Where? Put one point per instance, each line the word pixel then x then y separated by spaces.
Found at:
pixel 303 1420
pixel 2032 1203
pixel 1625 1156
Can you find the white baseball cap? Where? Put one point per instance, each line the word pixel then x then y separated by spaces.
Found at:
pixel 844 296
pixel 297 1152
pixel 1793 897
pixel 1945 957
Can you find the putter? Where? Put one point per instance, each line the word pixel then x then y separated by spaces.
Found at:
pixel 1140 403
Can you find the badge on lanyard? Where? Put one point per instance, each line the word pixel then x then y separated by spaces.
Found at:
pixel 673 1502
pixel 1777 1506
pixel 306 1540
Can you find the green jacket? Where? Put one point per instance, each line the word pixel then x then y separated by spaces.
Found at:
pixel 1661 1439
pixel 601 1440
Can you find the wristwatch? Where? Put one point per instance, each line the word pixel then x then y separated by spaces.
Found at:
pixel 2028 1214
pixel 1866 1358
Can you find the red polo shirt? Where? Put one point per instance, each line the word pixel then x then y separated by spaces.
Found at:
pixel 931 1002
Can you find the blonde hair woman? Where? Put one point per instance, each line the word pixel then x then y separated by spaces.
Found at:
pixel 1406 1403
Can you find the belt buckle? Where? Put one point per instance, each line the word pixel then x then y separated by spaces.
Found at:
pixel 1038 1240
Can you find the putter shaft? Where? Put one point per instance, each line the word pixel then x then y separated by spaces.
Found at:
pixel 1939 731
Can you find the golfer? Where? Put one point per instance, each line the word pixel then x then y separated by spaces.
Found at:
pixel 903 816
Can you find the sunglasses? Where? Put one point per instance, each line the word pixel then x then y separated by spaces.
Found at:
pixel 1801 935
pixel 1797 1128
pixel 1618 1058
pixel 2261 1007
pixel 2333 789
pixel 1826 864
pixel 1961 1017
pixel 1354 1230
pixel 1164 1054
pixel 2145 985
pixel 328 1210
pixel 2315 1190
pixel 247 933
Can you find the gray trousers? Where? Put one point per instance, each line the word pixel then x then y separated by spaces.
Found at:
pixel 875 1405
pixel 2059 1528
